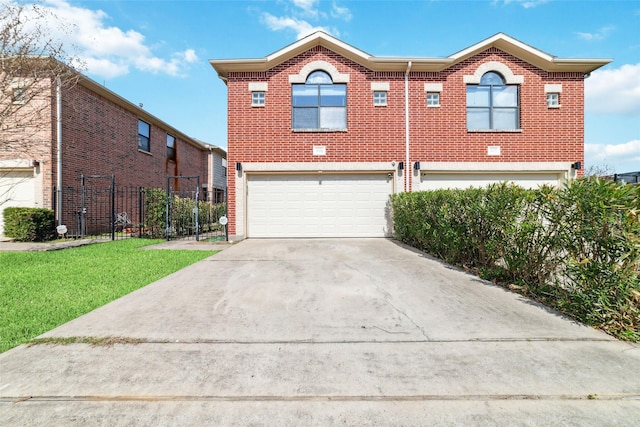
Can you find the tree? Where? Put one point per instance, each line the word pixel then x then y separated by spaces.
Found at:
pixel 33 65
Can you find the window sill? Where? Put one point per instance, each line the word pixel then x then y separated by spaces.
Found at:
pixel 433 106
pixel 318 130
pixel 140 150
pixel 554 107
pixel 494 130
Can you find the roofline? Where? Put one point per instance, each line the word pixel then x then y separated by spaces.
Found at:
pixel 501 41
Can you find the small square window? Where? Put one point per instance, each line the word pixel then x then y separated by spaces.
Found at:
pixel 380 98
pixel 433 99
pixel 553 100
pixel 19 96
pixel 257 99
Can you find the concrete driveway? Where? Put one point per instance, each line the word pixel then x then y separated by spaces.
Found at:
pixel 323 332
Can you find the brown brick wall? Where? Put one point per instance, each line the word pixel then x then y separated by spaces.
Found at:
pixel 101 138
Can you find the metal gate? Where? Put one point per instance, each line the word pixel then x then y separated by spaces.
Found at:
pixel 192 213
pixel 96 214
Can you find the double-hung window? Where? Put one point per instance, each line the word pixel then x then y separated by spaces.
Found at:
pixel 319 103
pixel 144 136
pixel 492 104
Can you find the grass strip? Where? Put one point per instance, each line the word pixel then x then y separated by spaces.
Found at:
pixel 42 290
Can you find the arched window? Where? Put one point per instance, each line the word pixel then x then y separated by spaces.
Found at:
pixel 492 104
pixel 319 103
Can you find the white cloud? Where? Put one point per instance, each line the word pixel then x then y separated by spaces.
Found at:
pixel 305 4
pixel 108 51
pixel 527 4
pixel 614 91
pixel 601 34
pixel 340 12
pixel 625 156
pixel 307 7
pixel 301 27
pixel 297 18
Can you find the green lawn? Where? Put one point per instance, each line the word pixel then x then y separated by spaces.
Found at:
pixel 42 290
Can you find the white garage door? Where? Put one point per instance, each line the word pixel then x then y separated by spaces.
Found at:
pixel 319 205
pixel 438 180
pixel 17 189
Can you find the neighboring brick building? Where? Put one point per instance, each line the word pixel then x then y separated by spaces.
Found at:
pixel 320 133
pixel 101 134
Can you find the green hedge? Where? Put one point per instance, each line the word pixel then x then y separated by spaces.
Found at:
pixel 29 224
pixel 575 248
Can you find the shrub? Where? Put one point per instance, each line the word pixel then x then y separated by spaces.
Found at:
pixel 575 248
pixel 29 224
pixel 182 217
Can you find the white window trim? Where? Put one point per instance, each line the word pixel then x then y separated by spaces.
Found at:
pixel 382 103
pixel 549 105
pixel 263 99
pixel 432 88
pixel 509 77
pixel 258 87
pixel 552 88
pixel 380 86
pixel 328 68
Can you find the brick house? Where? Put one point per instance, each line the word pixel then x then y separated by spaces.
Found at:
pixel 320 133
pixel 97 133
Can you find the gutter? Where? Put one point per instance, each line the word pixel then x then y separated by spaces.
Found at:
pixel 407 167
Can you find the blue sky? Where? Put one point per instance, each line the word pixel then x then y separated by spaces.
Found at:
pixel 157 52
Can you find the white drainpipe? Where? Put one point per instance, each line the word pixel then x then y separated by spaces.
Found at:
pixel 407 165
pixel 59 149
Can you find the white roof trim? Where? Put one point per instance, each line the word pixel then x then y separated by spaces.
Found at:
pixel 500 41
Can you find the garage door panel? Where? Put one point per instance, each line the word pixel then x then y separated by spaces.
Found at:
pixel 331 205
pixel 436 180
pixel 17 189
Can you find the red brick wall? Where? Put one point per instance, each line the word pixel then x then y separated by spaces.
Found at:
pixel 547 134
pixel 101 138
pixel 377 134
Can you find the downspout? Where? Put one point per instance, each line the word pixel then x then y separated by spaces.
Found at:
pixel 59 149
pixel 407 165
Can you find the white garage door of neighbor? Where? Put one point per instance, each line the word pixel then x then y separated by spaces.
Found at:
pixel 436 181
pixel 318 205
pixel 17 189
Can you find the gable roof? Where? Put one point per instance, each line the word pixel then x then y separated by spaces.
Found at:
pixel 501 41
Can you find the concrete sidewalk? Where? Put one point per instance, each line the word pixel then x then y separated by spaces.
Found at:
pixel 323 332
pixel 8 245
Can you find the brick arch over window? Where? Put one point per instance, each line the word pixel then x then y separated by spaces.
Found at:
pixel 499 67
pixel 319 65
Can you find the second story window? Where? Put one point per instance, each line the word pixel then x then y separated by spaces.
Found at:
pixel 553 100
pixel 171 147
pixel 257 99
pixel 379 98
pixel 492 104
pixel 433 99
pixel 144 136
pixel 319 103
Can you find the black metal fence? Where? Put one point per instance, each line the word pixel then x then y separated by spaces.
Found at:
pixel 99 209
